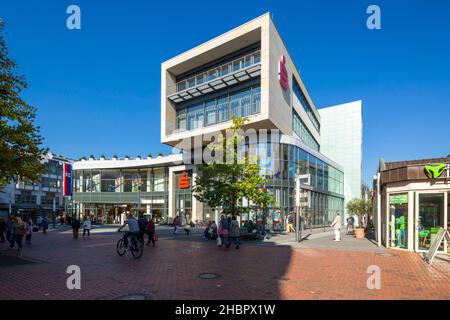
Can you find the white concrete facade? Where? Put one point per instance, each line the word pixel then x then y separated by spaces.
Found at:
pixel 341 140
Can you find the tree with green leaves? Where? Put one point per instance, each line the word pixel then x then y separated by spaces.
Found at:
pixel 359 208
pixel 20 141
pixel 223 184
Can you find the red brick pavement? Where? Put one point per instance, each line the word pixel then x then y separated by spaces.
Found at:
pixel 171 270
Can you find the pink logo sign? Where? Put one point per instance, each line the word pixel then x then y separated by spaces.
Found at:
pixel 283 74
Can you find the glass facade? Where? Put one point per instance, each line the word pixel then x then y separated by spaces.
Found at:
pixel 305 104
pixel 322 184
pixel 107 194
pixel 302 131
pixel 241 103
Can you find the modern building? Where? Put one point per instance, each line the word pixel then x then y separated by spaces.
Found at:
pixel 411 203
pixel 341 140
pixel 39 198
pixel 246 72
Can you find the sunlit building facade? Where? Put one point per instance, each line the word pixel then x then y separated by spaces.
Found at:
pixel 246 72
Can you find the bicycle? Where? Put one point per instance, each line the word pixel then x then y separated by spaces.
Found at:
pixel 135 245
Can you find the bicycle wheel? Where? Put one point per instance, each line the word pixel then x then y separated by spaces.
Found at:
pixel 121 249
pixel 137 248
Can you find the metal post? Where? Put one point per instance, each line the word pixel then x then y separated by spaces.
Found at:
pixel 297 208
pixel 139 196
pixel 54 213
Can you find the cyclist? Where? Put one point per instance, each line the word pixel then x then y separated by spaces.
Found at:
pixel 133 228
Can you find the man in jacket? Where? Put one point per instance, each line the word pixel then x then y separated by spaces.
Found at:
pixel 336 225
pixel 75 227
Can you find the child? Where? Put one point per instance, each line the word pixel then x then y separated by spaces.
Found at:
pixel 29 232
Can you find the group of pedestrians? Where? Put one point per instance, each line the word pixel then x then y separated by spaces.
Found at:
pixel 16 229
pixel 229 232
pixel 76 225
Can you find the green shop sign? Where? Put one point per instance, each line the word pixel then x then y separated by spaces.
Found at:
pixel 435 171
pixel 398 199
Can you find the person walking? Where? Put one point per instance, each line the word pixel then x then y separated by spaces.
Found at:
pixel 19 230
pixel 177 224
pixel 224 231
pixel 39 222
pixel 235 233
pixel 290 220
pixel 336 225
pixel 44 223
pixel 151 232
pixel 87 225
pixel 29 227
pixel 75 227
pixel 143 227
pixel 2 230
pixel 9 229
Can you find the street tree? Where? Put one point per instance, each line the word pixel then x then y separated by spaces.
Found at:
pixel 21 153
pixel 359 208
pixel 223 184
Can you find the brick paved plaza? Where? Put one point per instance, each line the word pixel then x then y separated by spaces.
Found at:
pixel 171 271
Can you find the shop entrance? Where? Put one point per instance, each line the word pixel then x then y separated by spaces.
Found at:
pixel 431 214
pixel 398 220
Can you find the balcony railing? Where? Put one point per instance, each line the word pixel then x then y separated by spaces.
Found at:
pixel 238 70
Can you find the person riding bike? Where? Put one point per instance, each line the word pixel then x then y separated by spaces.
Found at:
pixel 133 228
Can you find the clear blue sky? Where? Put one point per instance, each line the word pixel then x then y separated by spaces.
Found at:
pixel 98 90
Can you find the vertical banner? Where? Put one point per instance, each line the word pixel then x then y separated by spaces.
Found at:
pixel 67 179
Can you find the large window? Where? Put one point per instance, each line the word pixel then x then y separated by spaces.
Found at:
pixel 242 104
pixel 305 104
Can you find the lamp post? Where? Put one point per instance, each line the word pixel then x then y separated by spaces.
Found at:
pixel 138 206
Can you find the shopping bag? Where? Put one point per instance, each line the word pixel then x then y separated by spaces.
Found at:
pixel 155 237
pixel 219 241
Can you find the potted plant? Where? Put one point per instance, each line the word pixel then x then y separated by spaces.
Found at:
pixel 359 208
pixel 115 157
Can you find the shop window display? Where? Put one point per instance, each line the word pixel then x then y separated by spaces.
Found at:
pixel 399 220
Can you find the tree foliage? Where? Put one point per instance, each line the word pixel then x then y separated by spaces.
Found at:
pixel 223 184
pixel 359 208
pixel 20 141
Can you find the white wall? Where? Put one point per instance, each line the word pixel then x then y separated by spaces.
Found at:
pixel 341 140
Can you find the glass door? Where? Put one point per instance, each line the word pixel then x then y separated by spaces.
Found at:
pixel 431 214
pixel 398 220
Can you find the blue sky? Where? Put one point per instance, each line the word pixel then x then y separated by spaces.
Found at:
pixel 97 90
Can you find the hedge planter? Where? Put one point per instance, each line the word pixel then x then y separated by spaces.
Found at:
pixel 359 233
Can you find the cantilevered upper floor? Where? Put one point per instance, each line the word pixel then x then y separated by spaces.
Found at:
pixel 246 72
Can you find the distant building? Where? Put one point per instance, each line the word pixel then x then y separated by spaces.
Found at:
pixel 341 140
pixel 36 198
